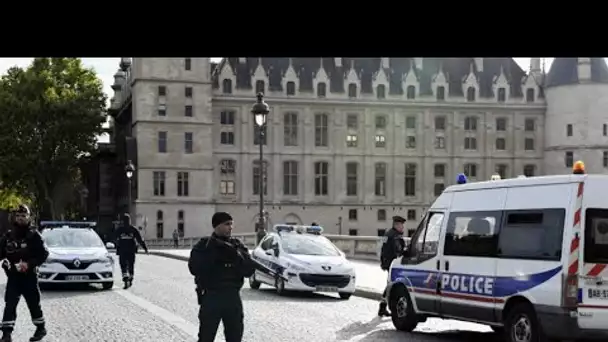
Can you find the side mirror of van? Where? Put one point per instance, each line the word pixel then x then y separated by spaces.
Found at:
pixel 275 248
pixel 110 245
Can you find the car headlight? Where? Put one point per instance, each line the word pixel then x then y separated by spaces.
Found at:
pixel 105 260
pixel 295 267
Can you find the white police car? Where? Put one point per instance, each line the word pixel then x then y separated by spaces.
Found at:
pixel 526 256
pixel 308 260
pixel 77 255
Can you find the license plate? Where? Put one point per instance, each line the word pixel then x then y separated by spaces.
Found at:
pixel 597 294
pixel 326 289
pixel 77 277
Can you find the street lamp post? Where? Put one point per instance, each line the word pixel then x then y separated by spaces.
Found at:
pixel 260 112
pixel 129 170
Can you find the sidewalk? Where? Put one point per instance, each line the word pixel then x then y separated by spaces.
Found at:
pixel 370 278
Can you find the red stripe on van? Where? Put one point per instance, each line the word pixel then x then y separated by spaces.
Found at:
pixel 577 217
pixel 597 269
pixel 580 189
pixel 574 244
pixel 573 268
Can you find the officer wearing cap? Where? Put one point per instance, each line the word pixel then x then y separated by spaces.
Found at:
pixel 219 265
pixel 22 250
pixel 391 248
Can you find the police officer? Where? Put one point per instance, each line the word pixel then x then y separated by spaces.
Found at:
pixel 391 248
pixel 127 238
pixel 219 263
pixel 22 251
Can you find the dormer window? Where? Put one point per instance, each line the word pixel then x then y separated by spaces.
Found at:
pixel 227 86
pixel 411 92
pixel 260 86
pixel 321 89
pixel 471 94
pixel 381 91
pixel 530 95
pixel 440 93
pixel 502 94
pixel 352 90
pixel 291 88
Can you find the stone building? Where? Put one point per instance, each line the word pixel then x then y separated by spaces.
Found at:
pixel 350 141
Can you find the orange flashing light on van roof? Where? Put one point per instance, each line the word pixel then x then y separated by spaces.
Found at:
pixel 578 168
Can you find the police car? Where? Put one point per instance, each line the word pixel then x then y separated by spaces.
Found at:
pixel 526 256
pixel 306 259
pixel 77 255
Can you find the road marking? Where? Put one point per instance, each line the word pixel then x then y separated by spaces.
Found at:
pixel 161 313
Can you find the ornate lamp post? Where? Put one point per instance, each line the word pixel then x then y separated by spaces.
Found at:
pixel 129 170
pixel 260 112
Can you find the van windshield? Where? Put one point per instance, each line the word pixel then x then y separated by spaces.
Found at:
pixel 596 236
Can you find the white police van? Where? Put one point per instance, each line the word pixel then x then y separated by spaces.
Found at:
pixel 306 259
pixel 527 256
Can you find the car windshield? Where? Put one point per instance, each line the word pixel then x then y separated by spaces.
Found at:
pixel 71 238
pixel 308 244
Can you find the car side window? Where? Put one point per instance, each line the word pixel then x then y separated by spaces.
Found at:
pixel 267 243
pixel 425 241
pixel 472 234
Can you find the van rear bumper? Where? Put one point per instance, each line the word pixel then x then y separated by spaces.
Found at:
pixel 558 323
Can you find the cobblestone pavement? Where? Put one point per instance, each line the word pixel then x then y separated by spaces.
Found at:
pixel 161 306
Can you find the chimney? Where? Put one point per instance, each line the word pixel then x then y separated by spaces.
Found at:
pixel 584 70
pixel 386 62
pixel 418 62
pixel 479 63
pixel 338 61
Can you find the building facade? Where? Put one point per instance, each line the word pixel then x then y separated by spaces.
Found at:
pixel 350 142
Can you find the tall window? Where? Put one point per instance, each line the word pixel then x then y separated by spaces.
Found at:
pixel 183 184
pixel 227 86
pixel 158 178
pixel 321 136
pixel 162 142
pixel 321 89
pixel 352 170
pixel 227 119
pixel 470 123
pixel 188 63
pixel 181 223
pixel 290 178
pixel 260 86
pixel 227 177
pixel 257 173
pixel 321 178
pixel 380 188
pixel 290 129
pixel 188 143
pixel 160 226
pixel 410 179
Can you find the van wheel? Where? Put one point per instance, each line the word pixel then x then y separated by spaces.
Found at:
pixel 521 325
pixel 254 284
pixel 402 312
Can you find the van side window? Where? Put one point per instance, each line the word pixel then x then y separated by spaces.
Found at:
pixel 596 236
pixel 532 234
pixel 472 234
pixel 427 239
pixel 267 244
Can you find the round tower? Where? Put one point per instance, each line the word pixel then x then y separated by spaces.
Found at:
pixel 576 122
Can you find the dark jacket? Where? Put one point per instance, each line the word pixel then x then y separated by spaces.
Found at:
pixel 127 238
pixel 391 248
pixel 219 263
pixel 23 245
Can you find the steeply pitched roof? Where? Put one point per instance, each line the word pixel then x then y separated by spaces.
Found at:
pixel 455 70
pixel 564 71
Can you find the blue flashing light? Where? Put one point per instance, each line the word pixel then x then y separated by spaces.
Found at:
pixel 71 224
pixel 283 228
pixel 461 178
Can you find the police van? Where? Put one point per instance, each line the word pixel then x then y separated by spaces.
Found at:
pixel 306 261
pixel 526 256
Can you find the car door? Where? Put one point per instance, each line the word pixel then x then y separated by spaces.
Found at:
pixel 261 253
pixel 420 263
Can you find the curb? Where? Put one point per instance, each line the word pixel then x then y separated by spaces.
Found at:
pixel 362 292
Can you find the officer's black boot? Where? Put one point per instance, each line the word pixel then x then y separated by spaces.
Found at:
pixel 6 337
pixel 382 311
pixel 38 334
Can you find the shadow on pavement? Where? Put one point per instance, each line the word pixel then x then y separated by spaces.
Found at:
pixel 53 291
pixel 443 336
pixel 358 328
pixel 264 294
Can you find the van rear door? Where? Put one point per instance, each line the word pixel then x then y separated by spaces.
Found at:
pixel 593 281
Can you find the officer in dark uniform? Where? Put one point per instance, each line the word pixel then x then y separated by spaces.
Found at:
pixel 22 251
pixel 127 238
pixel 219 263
pixel 391 248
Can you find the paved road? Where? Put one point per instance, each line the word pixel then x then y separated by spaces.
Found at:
pixel 161 306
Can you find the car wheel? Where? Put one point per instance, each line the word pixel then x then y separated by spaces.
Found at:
pixel 254 284
pixel 279 284
pixel 402 312
pixel 521 325
pixel 345 295
pixel 107 286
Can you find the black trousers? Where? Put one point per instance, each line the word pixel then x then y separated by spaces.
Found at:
pixel 383 300
pixel 176 243
pixel 127 265
pixel 21 285
pixel 225 306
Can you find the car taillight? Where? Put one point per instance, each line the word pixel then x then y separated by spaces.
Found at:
pixel 570 291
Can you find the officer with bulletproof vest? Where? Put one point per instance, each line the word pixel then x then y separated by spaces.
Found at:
pixel 127 238
pixel 22 250
pixel 219 265
pixel 391 248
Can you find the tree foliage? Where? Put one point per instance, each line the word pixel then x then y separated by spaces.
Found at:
pixel 50 114
pixel 10 199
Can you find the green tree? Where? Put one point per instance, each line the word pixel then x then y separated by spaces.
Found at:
pixel 9 199
pixel 50 115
